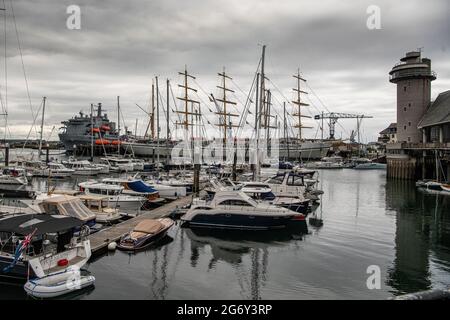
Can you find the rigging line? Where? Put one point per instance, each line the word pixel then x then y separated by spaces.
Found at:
pixel 248 103
pixel 174 103
pixel 317 97
pixel 32 126
pixel 5 107
pixel 21 59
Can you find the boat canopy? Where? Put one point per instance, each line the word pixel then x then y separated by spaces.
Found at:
pixel 68 206
pixel 140 186
pixel 148 226
pixel 42 223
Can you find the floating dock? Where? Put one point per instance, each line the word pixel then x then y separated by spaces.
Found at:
pixel 100 240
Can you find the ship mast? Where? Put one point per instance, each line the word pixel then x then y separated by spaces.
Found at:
pixel 186 99
pixel 226 116
pixel 299 104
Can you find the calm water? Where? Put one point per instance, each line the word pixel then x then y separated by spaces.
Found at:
pixel 367 221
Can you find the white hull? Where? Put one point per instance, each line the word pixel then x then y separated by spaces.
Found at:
pixel 146 150
pixel 58 284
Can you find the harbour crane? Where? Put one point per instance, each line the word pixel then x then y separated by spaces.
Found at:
pixel 333 117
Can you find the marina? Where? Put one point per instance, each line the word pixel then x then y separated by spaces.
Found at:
pixel 220 174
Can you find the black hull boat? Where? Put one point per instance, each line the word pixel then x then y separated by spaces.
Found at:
pixel 237 210
pixel 146 233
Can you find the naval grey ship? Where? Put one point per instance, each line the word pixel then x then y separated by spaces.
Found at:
pixel 78 130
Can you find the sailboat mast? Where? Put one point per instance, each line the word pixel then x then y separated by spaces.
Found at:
pixel 42 124
pixel 153 112
pixel 118 124
pixel 157 116
pixel 167 110
pixel 92 132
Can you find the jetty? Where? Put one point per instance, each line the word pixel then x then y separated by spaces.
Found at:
pixel 100 240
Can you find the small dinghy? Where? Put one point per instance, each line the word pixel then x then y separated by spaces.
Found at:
pixel 59 284
pixel 146 233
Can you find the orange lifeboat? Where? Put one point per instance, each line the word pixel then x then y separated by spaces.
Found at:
pixel 105 128
pixel 102 142
pixel 115 142
pixel 95 130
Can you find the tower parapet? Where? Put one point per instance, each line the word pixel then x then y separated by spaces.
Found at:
pixel 413 76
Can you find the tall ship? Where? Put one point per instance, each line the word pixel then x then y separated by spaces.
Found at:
pixel 84 129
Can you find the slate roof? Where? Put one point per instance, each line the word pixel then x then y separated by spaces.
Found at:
pixel 388 130
pixel 438 112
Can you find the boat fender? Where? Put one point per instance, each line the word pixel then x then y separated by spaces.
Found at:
pixel 63 262
pixel 112 246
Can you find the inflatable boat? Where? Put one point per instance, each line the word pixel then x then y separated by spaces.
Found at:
pixel 59 284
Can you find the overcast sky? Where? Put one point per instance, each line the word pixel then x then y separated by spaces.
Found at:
pixel 122 45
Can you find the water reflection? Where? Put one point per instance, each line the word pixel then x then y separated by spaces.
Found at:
pixel 231 246
pixel 422 231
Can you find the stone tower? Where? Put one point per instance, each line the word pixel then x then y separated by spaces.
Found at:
pixel 413 77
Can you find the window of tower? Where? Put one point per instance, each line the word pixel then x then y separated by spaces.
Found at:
pixel 409 124
pixel 409 105
pixel 409 139
pixel 404 109
pixel 404 88
pixel 404 127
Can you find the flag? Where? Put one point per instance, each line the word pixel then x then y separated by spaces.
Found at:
pixel 20 248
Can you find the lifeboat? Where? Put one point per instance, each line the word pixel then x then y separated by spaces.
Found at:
pixel 102 142
pixel 96 130
pixel 105 128
pixel 115 142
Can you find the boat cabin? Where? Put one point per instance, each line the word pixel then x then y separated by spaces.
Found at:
pixel 52 247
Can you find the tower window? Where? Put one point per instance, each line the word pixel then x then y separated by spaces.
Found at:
pixel 409 124
pixel 404 88
pixel 404 109
pixel 404 127
pixel 409 139
pixel 409 105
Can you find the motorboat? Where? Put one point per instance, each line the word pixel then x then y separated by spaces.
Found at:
pixel 39 245
pixel 167 191
pixel 367 164
pixel 66 205
pixel 117 198
pixel 103 168
pixel 100 206
pixel 53 170
pixel 117 164
pixel 146 233
pixel 294 184
pixel 138 164
pixel 83 168
pixel 13 176
pixel 263 191
pixel 133 186
pixel 237 210
pixel 59 284
pixel 186 183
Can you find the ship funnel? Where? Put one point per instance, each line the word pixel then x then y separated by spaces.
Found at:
pixel 99 110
